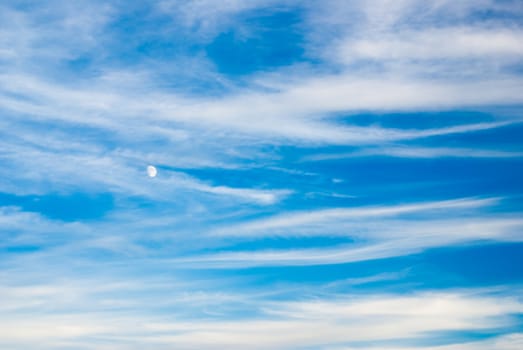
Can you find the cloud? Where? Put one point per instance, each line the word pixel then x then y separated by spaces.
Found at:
pixel 448 43
pixel 417 152
pixel 411 240
pixel 375 233
pixel 292 113
pixel 297 220
pixel 92 92
pixel 263 197
pixel 327 322
pixel 507 342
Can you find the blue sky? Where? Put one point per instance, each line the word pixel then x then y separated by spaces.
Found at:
pixel 331 175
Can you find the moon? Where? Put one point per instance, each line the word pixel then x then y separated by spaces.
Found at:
pixel 151 171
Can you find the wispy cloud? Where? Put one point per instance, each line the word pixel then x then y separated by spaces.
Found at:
pixel 307 218
pixel 377 233
pixel 237 118
pixel 330 322
pixel 417 152
pixel 447 43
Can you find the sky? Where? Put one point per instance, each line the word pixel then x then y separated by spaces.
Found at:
pixel 341 175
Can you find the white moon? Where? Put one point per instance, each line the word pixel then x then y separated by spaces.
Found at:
pixel 151 171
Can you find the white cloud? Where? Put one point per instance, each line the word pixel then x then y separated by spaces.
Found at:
pixel 377 56
pixel 513 341
pixel 417 152
pixel 390 239
pixel 294 113
pixel 431 44
pixel 328 322
pixel 206 18
pixel 260 196
pixel 289 221
pixel 375 232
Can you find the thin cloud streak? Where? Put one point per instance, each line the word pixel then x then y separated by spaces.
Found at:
pixel 376 233
pixel 299 219
pixel 377 248
pixel 416 152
